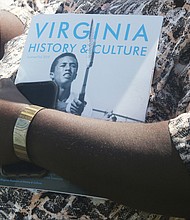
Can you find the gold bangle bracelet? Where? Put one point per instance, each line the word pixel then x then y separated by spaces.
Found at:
pixel 21 129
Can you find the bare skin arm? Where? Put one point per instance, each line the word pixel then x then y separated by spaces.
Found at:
pixel 10 27
pixel 132 163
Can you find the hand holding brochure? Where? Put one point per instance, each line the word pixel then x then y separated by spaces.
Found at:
pixel 101 67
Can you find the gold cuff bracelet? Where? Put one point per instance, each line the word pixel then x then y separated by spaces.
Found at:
pixel 20 131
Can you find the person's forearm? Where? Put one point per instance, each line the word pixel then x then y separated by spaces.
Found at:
pixel 10 27
pixel 128 162
pixel 9 112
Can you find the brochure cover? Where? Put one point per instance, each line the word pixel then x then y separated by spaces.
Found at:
pixel 98 66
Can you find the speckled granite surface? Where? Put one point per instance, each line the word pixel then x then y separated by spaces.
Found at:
pixel 172 68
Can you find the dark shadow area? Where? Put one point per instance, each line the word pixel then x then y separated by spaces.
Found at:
pixel 179 3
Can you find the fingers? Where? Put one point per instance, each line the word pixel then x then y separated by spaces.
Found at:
pixel 77 107
pixel 9 92
pixel 5 82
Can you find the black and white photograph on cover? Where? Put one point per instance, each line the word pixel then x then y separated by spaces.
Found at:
pixel 63 72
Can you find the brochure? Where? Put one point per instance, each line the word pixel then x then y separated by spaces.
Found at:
pixel 99 66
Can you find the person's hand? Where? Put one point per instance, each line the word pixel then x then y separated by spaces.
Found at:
pixel 12 102
pixel 9 92
pixel 77 107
